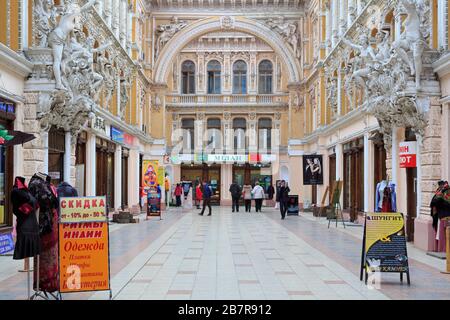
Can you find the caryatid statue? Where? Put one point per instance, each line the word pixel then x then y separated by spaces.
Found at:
pixel 58 37
pixel 412 39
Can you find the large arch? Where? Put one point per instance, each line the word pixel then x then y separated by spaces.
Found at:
pixel 201 27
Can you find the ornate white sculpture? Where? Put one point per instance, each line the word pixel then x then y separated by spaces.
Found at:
pixel 363 60
pixel 288 31
pixel 58 36
pixel 165 32
pixel 413 38
pixel 45 20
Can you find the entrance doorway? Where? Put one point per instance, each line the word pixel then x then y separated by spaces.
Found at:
pixel 204 172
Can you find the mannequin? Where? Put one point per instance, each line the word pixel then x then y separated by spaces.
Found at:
pixel 385 197
pixel 25 207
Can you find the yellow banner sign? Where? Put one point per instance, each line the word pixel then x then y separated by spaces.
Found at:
pixel 83 209
pixel 84 257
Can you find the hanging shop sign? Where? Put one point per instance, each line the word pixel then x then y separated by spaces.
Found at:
pixel 384 245
pixel 87 209
pixel 83 246
pixel 312 170
pixel 7 110
pixel 408 154
pixel 6 243
pixel 99 125
pixel 227 158
pixel 119 136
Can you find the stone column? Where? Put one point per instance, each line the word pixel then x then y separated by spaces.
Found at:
pixel 251 133
pixel 123 22
pixel 118 177
pixel 335 13
pixel 91 163
pixel 394 153
pixel 67 155
pixel 343 16
pixel 366 171
pixel 431 171
pixel 227 178
pixel 133 181
pixel 351 12
pixel 108 12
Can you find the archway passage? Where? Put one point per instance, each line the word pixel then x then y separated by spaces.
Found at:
pixel 201 27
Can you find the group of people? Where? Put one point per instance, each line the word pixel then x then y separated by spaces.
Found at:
pixel 203 192
pixel 257 193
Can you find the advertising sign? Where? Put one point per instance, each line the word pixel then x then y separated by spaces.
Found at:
pixel 312 170
pixel 117 135
pixel 83 209
pixel 408 154
pixel 6 243
pixel 149 174
pixel 84 257
pixel 293 207
pixel 384 244
pixel 153 202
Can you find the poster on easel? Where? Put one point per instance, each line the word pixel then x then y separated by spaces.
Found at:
pixel 293 206
pixel 154 202
pixel 384 245
pixel 335 200
pixel 84 260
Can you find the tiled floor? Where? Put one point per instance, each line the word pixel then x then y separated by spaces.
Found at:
pixel 243 256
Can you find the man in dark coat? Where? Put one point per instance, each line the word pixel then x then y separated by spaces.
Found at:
pixel 284 199
pixel 236 193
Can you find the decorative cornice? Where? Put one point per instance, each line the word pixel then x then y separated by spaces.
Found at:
pixel 442 66
pixel 14 62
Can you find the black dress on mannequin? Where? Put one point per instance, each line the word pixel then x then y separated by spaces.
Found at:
pixel 24 208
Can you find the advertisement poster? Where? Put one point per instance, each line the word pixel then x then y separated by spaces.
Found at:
pixel 83 209
pixel 150 176
pixel 153 202
pixel 293 207
pixel 312 170
pixel 6 243
pixel 385 243
pixel 84 257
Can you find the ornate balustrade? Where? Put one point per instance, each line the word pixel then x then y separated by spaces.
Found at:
pixel 235 100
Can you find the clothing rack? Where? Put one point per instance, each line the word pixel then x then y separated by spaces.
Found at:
pixel 38 293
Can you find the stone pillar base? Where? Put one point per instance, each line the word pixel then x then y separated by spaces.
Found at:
pixel 136 209
pixel 226 202
pixel 424 236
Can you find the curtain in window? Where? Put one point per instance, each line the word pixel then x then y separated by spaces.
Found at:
pixel 265 77
pixel 240 77
pixel 214 70
pixel 188 77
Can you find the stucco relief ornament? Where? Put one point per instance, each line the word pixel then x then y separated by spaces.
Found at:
pixel 165 32
pixel 332 95
pixel 227 22
pixel 45 20
pixel 288 30
pixel 412 40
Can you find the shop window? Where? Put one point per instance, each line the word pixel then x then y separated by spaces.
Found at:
pixel 239 128
pixel 188 77
pixel 265 77
pixel 214 136
pixel 188 135
pixel 265 134
pixel 239 77
pixel 214 73
pixel 56 149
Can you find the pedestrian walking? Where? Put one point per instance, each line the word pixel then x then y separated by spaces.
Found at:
pixel 236 193
pixel 277 195
pixel 258 195
pixel 198 195
pixel 207 194
pixel 247 194
pixel 178 193
pixel 167 189
pixel 284 199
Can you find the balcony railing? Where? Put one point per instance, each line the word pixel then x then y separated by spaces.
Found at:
pixel 195 100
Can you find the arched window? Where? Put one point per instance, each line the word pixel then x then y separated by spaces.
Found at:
pixel 188 77
pixel 265 77
pixel 265 134
pixel 214 135
pixel 188 135
pixel 214 69
pixel 240 77
pixel 239 128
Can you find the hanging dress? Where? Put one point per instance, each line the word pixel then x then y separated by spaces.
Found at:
pixel 28 243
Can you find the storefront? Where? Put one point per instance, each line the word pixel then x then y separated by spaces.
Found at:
pixel 252 173
pixel 105 170
pixel 354 178
pixel 56 150
pixel 204 172
pixel 7 117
